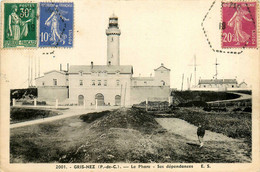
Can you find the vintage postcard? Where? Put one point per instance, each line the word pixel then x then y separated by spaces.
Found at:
pixel 129 85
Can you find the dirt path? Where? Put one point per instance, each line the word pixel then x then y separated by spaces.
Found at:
pixel 189 131
pixel 66 114
pixel 242 97
pixel 221 145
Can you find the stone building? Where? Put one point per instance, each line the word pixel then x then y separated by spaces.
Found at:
pixel 110 84
pixel 220 85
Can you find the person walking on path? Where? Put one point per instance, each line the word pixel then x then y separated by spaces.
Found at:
pixel 200 134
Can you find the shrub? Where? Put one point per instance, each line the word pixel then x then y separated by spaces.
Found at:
pixel 247 109
pixel 194 103
pixel 236 109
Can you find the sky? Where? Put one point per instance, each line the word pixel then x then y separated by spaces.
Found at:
pixel 152 33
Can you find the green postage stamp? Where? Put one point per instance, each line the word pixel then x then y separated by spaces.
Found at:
pixel 20 27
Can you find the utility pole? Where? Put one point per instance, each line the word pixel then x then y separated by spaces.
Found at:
pixel 190 79
pixel 188 84
pixel 28 72
pixel 195 70
pixel 35 71
pixel 182 82
pixel 39 67
pixel 31 71
pixel 125 93
pixel 121 95
pixel 216 64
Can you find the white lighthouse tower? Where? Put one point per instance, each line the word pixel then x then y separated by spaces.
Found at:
pixel 113 33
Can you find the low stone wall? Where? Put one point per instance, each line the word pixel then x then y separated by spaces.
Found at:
pixel 151 93
pixel 50 93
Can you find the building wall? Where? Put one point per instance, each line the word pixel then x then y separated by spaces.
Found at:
pixel 160 75
pixel 47 79
pixel 109 92
pixel 218 86
pixel 219 89
pixel 50 93
pixel 113 49
pixel 152 93
pixel 138 81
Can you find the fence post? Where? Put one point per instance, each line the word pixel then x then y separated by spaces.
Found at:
pixel 35 102
pixel 170 100
pixel 13 101
pixel 56 104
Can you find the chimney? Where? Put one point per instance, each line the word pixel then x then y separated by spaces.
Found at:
pixel 92 65
pixel 68 65
pixel 60 67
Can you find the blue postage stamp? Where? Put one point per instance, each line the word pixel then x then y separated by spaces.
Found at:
pixel 56 24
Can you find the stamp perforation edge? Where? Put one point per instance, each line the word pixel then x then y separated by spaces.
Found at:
pixel 38 23
pixel 257 25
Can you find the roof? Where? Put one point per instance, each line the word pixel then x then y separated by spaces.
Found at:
pixel 162 67
pixel 126 69
pixel 218 81
pixel 243 83
pixel 58 71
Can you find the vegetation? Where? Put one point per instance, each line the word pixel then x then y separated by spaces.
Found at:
pixel 232 124
pixel 130 136
pixel 17 94
pixel 204 96
pixel 19 114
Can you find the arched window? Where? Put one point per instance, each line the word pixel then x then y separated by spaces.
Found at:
pixel 80 100
pixel 117 100
pixel 99 99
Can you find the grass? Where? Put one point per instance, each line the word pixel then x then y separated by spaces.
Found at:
pixel 24 114
pixel 205 96
pixel 232 124
pixel 124 135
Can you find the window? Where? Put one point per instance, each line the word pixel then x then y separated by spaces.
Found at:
pixel 163 83
pixel 55 82
pixel 117 82
pixel 105 82
pixel 80 82
pixel 232 86
pixel 145 82
pixel 99 82
pixel 93 83
pixel 80 73
pixel 42 83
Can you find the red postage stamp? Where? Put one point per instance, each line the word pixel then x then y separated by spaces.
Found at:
pixel 239 25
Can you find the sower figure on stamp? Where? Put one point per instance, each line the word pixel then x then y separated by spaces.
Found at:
pixel 236 22
pixel 53 20
pixel 200 134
